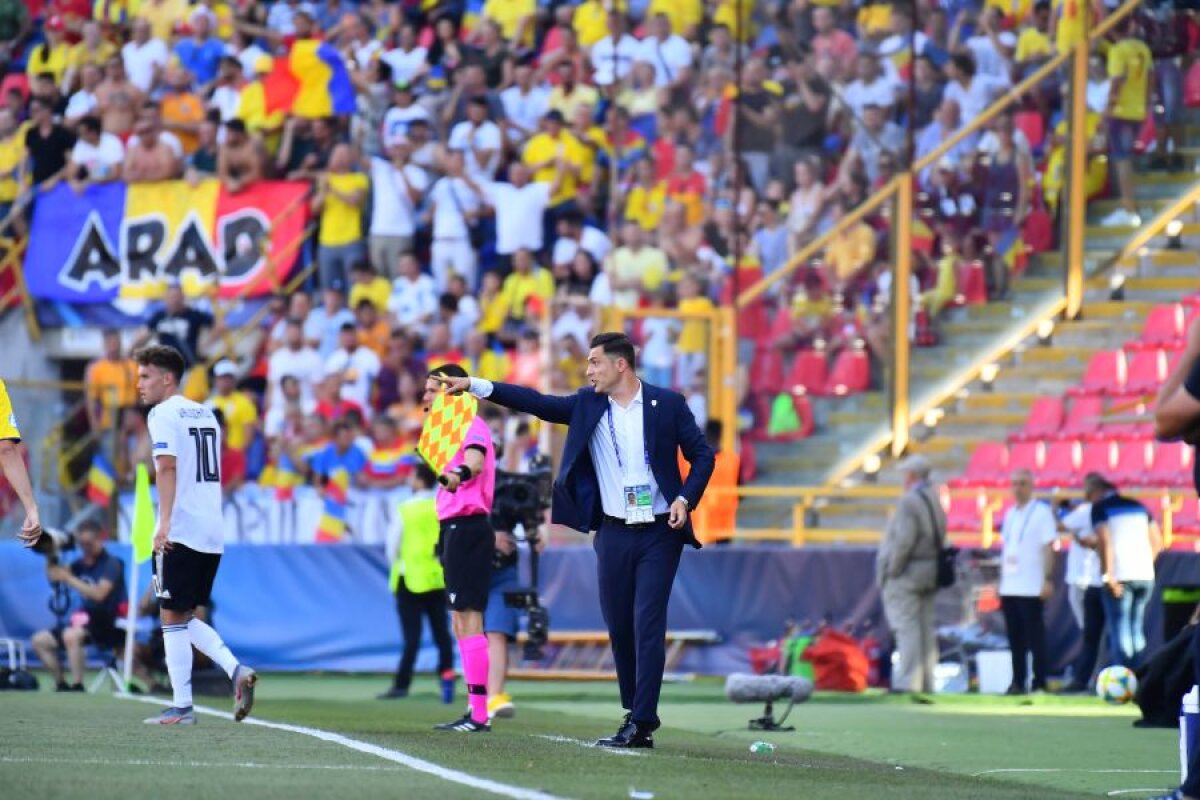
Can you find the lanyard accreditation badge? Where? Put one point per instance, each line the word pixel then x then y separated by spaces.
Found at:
pixel 639 501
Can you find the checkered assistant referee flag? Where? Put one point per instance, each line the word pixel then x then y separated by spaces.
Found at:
pixel 445 428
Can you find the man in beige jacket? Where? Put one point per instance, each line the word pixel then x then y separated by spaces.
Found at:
pixel 906 573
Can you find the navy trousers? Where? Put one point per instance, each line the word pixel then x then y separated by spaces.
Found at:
pixel 636 568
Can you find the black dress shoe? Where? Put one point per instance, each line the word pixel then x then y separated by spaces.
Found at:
pixel 629 736
pixel 1015 691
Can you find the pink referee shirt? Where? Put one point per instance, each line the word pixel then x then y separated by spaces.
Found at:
pixel 474 496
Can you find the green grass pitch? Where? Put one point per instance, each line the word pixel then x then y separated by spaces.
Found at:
pixel 94 747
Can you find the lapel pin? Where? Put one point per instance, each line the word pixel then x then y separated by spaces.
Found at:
pixel 653 402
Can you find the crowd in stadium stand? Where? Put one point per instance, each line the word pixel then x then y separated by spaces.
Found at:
pixel 512 159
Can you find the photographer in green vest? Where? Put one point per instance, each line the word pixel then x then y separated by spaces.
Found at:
pixel 416 580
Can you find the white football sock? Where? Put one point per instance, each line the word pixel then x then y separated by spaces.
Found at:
pixel 209 642
pixel 178 647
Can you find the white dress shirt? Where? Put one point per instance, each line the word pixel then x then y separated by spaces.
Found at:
pixel 613 473
pixel 1026 532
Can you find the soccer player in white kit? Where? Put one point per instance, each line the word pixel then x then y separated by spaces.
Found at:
pixel 189 535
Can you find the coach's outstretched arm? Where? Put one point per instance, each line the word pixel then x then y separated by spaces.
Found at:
pixel 547 407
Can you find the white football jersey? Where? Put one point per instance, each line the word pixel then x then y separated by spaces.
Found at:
pixel 189 431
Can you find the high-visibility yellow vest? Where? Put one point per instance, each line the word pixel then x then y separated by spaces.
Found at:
pixel 415 561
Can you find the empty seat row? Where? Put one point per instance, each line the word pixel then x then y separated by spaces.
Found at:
pixel 1049 419
pixel 1062 464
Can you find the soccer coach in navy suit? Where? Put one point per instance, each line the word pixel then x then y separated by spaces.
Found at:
pixel 619 476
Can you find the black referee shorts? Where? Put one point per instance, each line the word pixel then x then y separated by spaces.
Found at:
pixel 466 546
pixel 185 577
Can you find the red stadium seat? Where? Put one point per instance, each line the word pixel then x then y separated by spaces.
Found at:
pixel 1133 462
pixel 851 373
pixel 972 284
pixel 1172 465
pixel 965 513
pixel 1044 420
pixel 1060 467
pixel 1083 419
pixel 766 372
pixel 1126 405
pixel 809 372
pixel 15 80
pixel 1032 124
pixel 1105 374
pixel 1187 519
pixel 1147 370
pixel 1097 457
pixel 1025 455
pixel 1164 325
pixel 988 467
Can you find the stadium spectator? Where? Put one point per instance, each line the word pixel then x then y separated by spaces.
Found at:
pixel 408 59
pixel 946 122
pixel 92 50
pixel 973 92
pixel 240 160
pixel 575 234
pixel 180 326
pixel 519 206
pixel 851 250
pixel 144 57
pixel 756 123
pixel 524 103
pixel 150 156
pixel 367 284
pixel 83 101
pixel 238 410
pixel 547 152
pixel 413 300
pixel 226 94
pixel 455 207
pixel 111 382
pixel 117 99
pixel 52 56
pixel 182 110
pixel 341 196
pixel 398 188
pixel 833 44
pixel 98 578
pixel 1128 106
pixel 634 269
pixel 340 453
pixel 96 158
pixel 134 446
pixel 1028 533
pixel 1129 541
pixel 354 365
pixel 874 137
pixel 403 112
pixel 1085 583
pixel 48 144
pixel 479 139
pixel 306 148
pixel 252 109
pixel 295 360
pixel 527 283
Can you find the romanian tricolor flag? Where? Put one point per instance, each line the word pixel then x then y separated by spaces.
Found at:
pixel 392 461
pixel 922 235
pixel 311 81
pixel 101 480
pixel 1010 248
pixel 333 517
pixel 286 478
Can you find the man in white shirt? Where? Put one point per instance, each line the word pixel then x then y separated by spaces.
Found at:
pixel 358 367
pixel 407 60
pixel 1084 584
pixel 398 189
pixel 993 46
pixel 402 114
pixel 96 157
pixel 454 205
pixel 294 359
pixel 1026 573
pixel 574 234
pixel 871 87
pixel 1129 542
pixel 669 53
pixel 145 58
pixel 479 139
pixel 612 57
pixel 322 325
pixel 524 104
pixel 520 206
pixel 84 102
pixel 414 298
pixel 972 91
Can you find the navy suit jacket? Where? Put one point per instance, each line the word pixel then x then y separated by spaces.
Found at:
pixel 668 426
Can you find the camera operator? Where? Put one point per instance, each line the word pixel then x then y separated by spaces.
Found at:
pixel 502 620
pixel 98 578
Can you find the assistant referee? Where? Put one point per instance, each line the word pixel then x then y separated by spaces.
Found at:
pixel 619 476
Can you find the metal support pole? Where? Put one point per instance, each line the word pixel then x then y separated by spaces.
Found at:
pixel 1075 219
pixel 901 313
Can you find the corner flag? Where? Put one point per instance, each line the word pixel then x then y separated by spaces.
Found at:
pixel 141 533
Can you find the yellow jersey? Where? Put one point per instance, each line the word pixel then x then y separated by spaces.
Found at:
pixel 543 148
pixel 240 415
pixel 81 55
pixel 1032 44
pixel 508 14
pixel 8 420
pixel 44 58
pixel 12 154
pixel 684 14
pixel 693 336
pixel 591 21
pixel 518 288
pixel 342 223
pixel 645 205
pixel 1130 61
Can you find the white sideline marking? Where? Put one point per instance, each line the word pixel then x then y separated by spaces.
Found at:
pixel 588 745
pixel 395 756
pixel 142 762
pixel 1118 792
pixel 1088 771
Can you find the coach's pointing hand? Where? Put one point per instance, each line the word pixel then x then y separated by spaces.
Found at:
pixel 452 384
